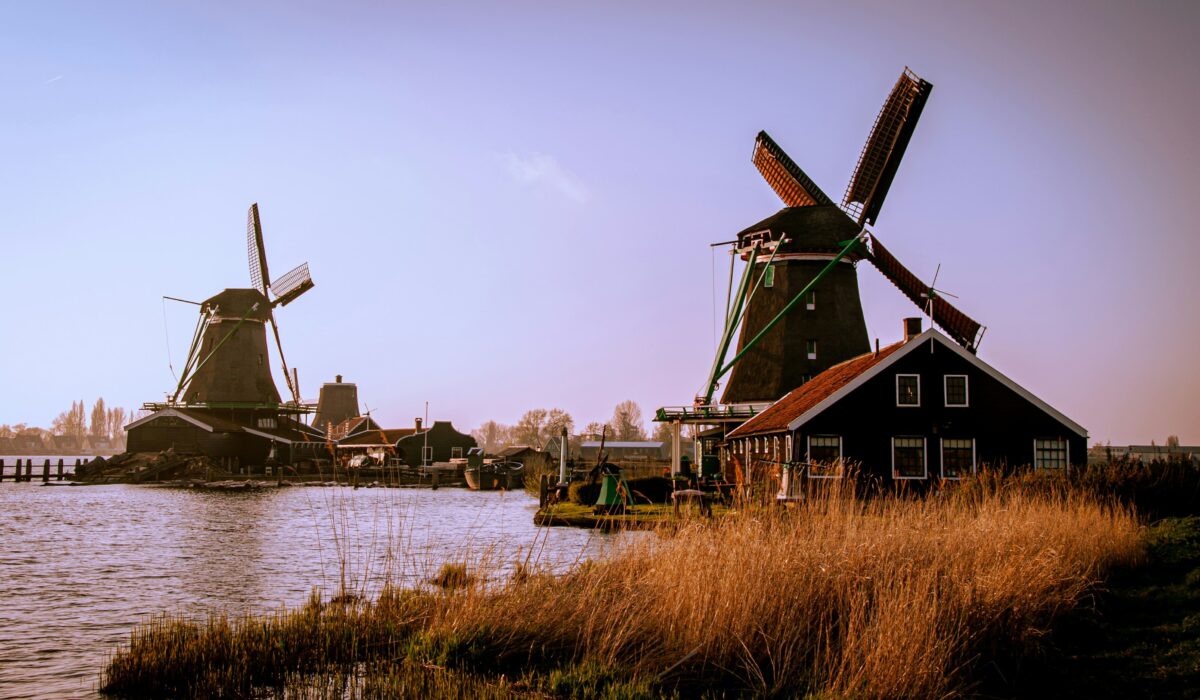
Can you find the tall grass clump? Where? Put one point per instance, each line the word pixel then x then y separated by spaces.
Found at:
pixel 881 598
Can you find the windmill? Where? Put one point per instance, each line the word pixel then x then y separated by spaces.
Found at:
pixel 227 359
pixel 814 240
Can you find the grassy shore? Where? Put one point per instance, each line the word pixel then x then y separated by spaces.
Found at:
pixel 884 598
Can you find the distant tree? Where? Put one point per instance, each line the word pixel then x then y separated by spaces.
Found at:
pixel 593 430
pixel 72 422
pixel 556 420
pixel 99 425
pixel 627 422
pixel 528 430
pixel 1172 441
pixel 662 432
pixel 491 436
pixel 6 431
pixel 116 426
pixel 538 425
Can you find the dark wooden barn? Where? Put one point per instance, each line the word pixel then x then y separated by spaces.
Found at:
pixel 918 410
pixel 240 440
pixel 439 443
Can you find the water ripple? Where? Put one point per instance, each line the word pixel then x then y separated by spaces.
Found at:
pixel 79 567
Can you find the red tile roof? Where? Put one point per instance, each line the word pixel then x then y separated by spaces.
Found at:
pixel 775 418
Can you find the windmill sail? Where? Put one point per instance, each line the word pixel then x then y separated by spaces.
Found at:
pixel 964 329
pixel 260 279
pixel 884 149
pixel 793 186
pixel 291 285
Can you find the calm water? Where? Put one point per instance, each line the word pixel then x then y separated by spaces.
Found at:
pixel 80 566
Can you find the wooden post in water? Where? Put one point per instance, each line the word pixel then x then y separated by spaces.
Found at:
pixel 434 474
pixel 18 479
pixel 46 471
pixel 60 470
pixel 1 470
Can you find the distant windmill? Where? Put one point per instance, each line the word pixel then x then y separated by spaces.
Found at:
pixel 227 360
pixel 812 239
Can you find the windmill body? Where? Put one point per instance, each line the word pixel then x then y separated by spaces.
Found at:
pixel 235 342
pixel 825 329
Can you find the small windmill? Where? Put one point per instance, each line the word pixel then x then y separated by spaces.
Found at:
pixel 226 361
pixel 806 241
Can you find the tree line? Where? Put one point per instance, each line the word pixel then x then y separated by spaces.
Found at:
pixel 538 425
pixel 99 427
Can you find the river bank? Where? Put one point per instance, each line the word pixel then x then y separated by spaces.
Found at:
pixel 83 566
pixel 892 597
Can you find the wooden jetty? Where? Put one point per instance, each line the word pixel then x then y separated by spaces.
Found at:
pixel 23 470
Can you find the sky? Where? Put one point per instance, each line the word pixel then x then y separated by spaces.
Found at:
pixel 510 206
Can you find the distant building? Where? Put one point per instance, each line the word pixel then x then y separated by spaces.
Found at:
pixel 439 443
pixel 536 461
pixel 918 410
pixel 626 450
pixel 1103 454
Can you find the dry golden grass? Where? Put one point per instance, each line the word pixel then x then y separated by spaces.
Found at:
pixel 889 597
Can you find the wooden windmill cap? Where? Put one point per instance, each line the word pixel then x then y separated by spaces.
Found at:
pixel 234 303
pixel 814 229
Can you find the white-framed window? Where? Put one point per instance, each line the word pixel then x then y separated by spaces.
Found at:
pixel 811 347
pixel 955 390
pixel 811 302
pixel 787 447
pixel 455 452
pixel 824 456
pixel 266 423
pixel 958 457
pixel 427 454
pixel 769 276
pixel 1051 453
pixel 908 390
pixel 908 458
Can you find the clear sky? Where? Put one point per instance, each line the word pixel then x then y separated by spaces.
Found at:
pixel 509 206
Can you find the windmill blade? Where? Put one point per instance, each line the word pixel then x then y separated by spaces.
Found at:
pixel 884 149
pixel 793 186
pixel 965 330
pixel 292 388
pixel 260 279
pixel 291 285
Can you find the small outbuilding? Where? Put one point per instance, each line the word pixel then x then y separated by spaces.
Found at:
pixel 919 410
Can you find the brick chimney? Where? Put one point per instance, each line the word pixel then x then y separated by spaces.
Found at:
pixel 912 328
pixel 418 424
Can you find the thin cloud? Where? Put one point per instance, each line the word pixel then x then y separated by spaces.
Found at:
pixel 55 79
pixel 541 169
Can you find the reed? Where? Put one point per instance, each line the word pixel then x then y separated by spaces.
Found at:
pixel 883 598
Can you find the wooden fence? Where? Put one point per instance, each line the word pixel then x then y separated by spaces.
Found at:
pixel 23 470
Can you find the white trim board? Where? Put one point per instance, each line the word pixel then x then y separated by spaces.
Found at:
pixel 933 335
pixel 170 412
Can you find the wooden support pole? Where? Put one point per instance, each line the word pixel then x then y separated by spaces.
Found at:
pixel 60 469
pixel 46 471
pixel 18 470
pixel 1 470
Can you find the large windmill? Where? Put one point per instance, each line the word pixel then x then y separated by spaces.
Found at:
pixel 227 363
pixel 798 303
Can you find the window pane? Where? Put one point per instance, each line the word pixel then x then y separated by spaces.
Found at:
pixel 956 390
pixel 958 457
pixel 908 390
pixel 1050 453
pixel 908 456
